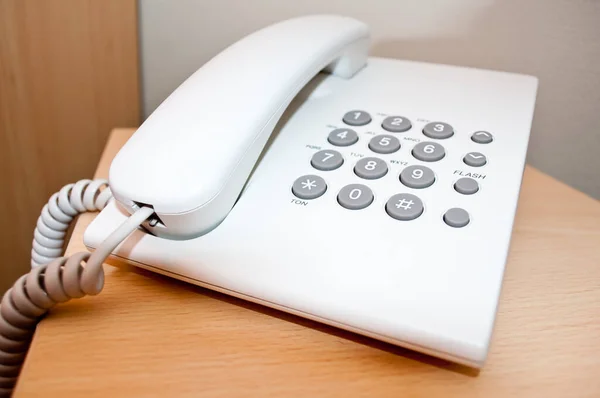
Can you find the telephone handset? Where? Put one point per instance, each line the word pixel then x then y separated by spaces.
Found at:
pixel 383 204
pixel 191 158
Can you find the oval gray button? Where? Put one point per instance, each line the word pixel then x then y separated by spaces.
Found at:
pixel 396 124
pixel 342 137
pixel 482 137
pixel 466 186
pixel 327 160
pixel 370 168
pixel 475 159
pixel 384 144
pixel 357 118
pixel 355 196
pixel 428 151
pixel 417 177
pixel 456 217
pixel 309 187
pixel 439 130
pixel 404 207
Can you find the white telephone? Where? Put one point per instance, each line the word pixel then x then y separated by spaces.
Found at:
pixel 372 194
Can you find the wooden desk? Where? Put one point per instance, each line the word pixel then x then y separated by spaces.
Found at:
pixel 147 335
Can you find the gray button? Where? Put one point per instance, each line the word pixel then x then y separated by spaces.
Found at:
pixel 428 151
pixel 438 130
pixel 342 137
pixel 466 186
pixel 309 187
pixel 371 168
pixel 327 160
pixel 417 177
pixel 475 159
pixel 384 144
pixel 482 137
pixel 355 196
pixel 456 217
pixel 357 118
pixel 404 206
pixel 396 124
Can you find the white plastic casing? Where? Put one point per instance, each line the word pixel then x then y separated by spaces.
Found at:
pixel 191 158
pixel 419 284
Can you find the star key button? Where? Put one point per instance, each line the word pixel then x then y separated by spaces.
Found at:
pixel 309 187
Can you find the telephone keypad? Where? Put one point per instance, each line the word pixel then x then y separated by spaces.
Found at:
pixel 327 160
pixel 370 168
pixel 357 118
pixel 384 144
pixel 355 196
pixel 396 124
pixel 404 207
pixel 438 130
pixel 309 187
pixel 417 177
pixel 342 137
pixel 401 206
pixel 429 151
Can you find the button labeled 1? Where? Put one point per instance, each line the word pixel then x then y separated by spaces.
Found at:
pixel 357 118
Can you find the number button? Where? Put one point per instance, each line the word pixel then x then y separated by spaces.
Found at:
pixel 482 137
pixel 357 118
pixel 327 160
pixel 475 159
pixel 404 207
pixel 439 130
pixel 355 196
pixel 342 137
pixel 417 177
pixel 309 187
pixel 396 124
pixel 428 151
pixel 384 144
pixel 370 168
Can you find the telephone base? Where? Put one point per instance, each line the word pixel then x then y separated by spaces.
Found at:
pixel 339 245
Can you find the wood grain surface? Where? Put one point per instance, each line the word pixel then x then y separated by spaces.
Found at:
pixel 68 75
pixel 148 335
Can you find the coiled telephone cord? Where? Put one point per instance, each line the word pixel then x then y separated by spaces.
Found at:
pixel 54 279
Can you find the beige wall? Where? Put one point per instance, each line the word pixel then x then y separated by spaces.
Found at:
pixel 556 40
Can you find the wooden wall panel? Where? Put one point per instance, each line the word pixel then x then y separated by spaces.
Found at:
pixel 68 75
